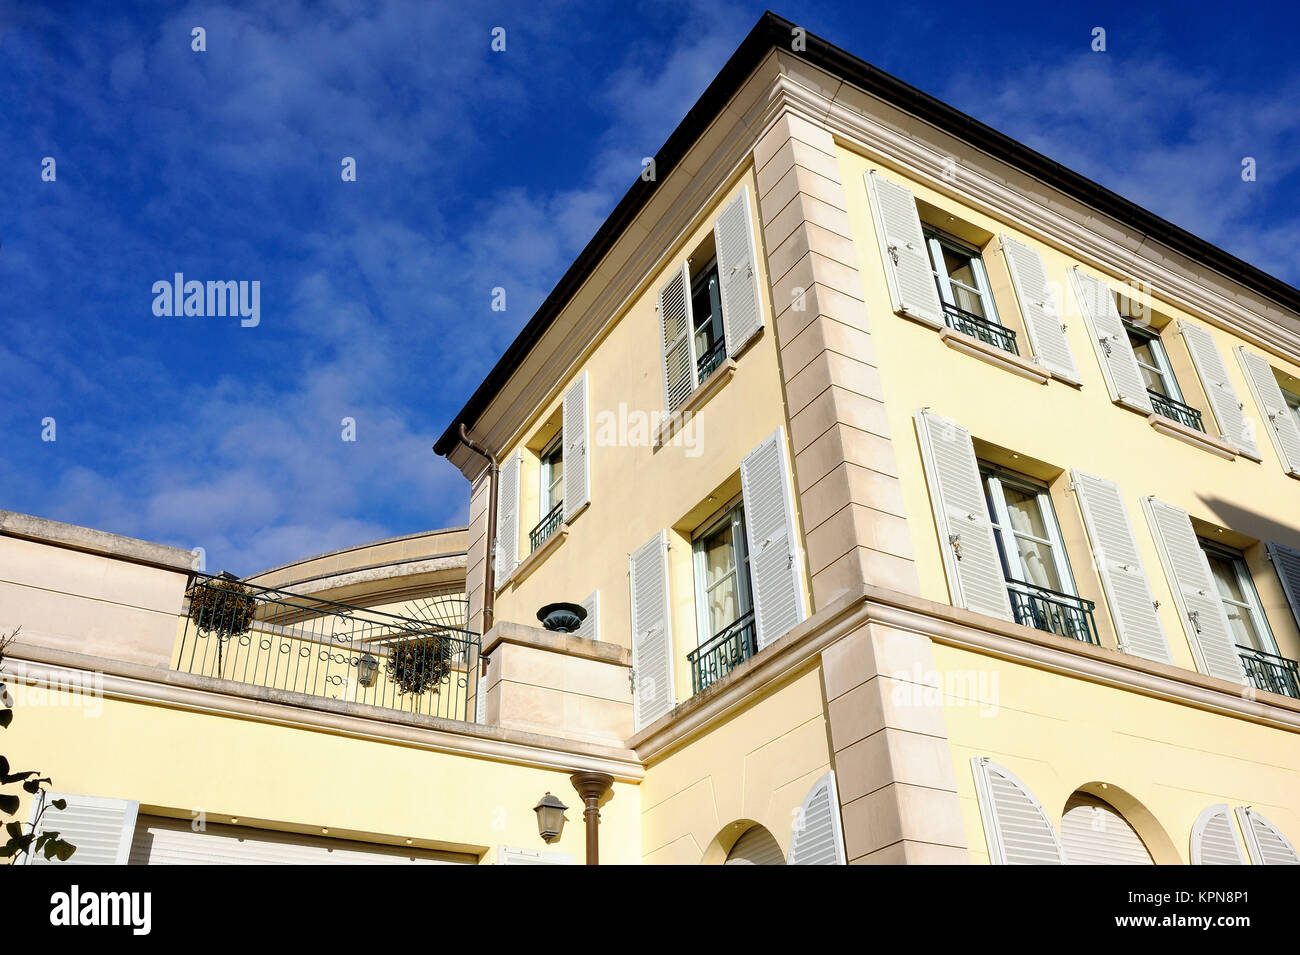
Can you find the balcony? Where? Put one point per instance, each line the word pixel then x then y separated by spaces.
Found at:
pixel 708 363
pixel 990 333
pixel 1053 612
pixel 1271 673
pixel 1176 411
pixel 722 654
pixel 284 641
pixel 547 526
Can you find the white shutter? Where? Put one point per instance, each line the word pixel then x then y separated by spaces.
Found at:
pixel 1093 832
pixel 1015 825
pixel 1040 310
pixel 507 545
pixel 100 828
pixel 1265 841
pixel 970 554
pixel 480 699
pixel 1234 426
pixel 1109 337
pixel 755 847
pixel 733 236
pixel 677 338
pixel 770 529
pixel 818 836
pixel 577 461
pixel 1287 564
pixel 652 640
pixel 1213 839
pixel 907 263
pixel 1282 427
pixel 1119 564
pixel 590 628
pixel 1194 590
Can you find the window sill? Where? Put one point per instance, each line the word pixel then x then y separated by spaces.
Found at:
pixel 1198 439
pixel 534 560
pixel 970 345
pixel 694 402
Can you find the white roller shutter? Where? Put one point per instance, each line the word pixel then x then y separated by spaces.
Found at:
pixel 1234 426
pixel 1015 824
pixel 818 837
pixel 577 462
pixel 1119 564
pixel 1039 309
pixel 1265 841
pixel 161 840
pixel 1195 592
pixel 480 698
pixel 590 628
pixel 1213 840
pixel 1093 832
pixel 1109 337
pixel 756 847
pixel 99 827
pixel 677 338
pixel 1287 564
pixel 733 236
pixel 1281 424
pixel 902 243
pixel 773 549
pixel 652 640
pixel 970 554
pixel 507 546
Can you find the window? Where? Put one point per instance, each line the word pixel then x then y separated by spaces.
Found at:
pixel 1034 562
pixel 706 309
pixel 723 598
pixel 1293 404
pixel 1158 376
pixel 964 291
pixel 551 496
pixel 1250 628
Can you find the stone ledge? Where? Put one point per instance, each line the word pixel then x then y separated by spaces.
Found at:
pixel 567 644
pixel 1197 439
pixel 675 422
pixel 970 345
pixel 88 539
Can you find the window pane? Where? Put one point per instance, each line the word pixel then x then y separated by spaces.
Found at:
pixel 719 556
pixel 1243 628
pixel 1025 513
pixel 723 605
pixel 1225 576
pixel 1039 566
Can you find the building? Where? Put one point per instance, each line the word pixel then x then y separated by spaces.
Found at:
pixel 929 503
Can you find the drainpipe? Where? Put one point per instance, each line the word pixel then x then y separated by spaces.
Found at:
pixel 490 573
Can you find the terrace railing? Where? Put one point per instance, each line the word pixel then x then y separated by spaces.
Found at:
pixel 1269 672
pixel 1052 611
pixel 547 526
pixel 274 638
pixel 1176 410
pixel 723 653
pixel 990 333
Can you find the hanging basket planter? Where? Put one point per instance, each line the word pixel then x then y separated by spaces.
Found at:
pixel 420 663
pixel 223 607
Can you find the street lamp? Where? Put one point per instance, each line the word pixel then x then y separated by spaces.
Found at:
pixel 550 818
pixel 367 669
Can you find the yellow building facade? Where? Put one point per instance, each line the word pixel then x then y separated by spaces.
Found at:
pixel 924 503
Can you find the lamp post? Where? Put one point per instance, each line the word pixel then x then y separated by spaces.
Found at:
pixel 592 788
pixel 550 818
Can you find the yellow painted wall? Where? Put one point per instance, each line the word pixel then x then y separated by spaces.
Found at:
pixel 1067 427
pixel 176 762
pixel 1059 734
pixel 757 766
pixel 635 490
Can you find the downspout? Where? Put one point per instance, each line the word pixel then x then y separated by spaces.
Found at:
pixel 490 574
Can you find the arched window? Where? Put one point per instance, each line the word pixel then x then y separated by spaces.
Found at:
pixel 1015 824
pixel 1093 832
pixel 756 847
pixel 1265 841
pixel 1213 839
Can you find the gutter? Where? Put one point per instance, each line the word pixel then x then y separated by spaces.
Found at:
pixel 489 559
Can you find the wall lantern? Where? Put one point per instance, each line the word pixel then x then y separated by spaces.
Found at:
pixel 550 817
pixel 367 670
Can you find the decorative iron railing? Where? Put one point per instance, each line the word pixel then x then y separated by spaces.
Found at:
pixel 1176 410
pixel 1053 611
pixel 723 653
pixel 274 638
pixel 1267 671
pixel 990 333
pixel 707 363
pixel 547 526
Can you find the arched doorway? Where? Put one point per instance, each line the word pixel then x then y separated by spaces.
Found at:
pixel 755 847
pixel 1093 832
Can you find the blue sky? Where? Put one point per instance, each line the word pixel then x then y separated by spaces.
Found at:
pixel 475 169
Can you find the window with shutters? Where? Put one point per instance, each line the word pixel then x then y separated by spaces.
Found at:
pixel 964 291
pixel 1265 668
pixel 706 309
pixel 550 492
pixel 723 598
pixel 1035 565
pixel 1158 376
pixel 1292 404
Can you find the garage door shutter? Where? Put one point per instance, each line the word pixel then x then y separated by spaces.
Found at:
pixel 1094 833
pixel 164 841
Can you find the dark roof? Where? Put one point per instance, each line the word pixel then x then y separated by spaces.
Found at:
pixel 773 31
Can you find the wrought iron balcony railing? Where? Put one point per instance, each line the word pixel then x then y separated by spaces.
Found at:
pixel 1053 612
pixel 723 653
pixel 547 526
pixel 1269 672
pixel 273 638
pixel 990 333
pixel 707 363
pixel 1176 410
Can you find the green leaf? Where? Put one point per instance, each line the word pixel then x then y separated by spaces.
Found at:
pixel 64 850
pixel 4 766
pixel 8 804
pixel 59 804
pixel 15 829
pixel 50 848
pixel 33 786
pixel 6 717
